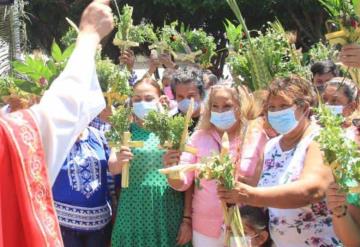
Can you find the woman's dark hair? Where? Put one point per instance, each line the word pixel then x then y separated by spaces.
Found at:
pixel 150 81
pixel 258 218
pixel 324 67
pixel 300 90
pixel 347 86
pixel 188 75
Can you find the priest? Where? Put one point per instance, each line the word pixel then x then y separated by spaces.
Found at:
pixel 35 142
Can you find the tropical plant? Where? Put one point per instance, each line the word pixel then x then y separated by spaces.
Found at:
pixel 35 74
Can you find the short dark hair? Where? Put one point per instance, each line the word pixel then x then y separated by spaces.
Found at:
pixel 324 67
pixel 188 75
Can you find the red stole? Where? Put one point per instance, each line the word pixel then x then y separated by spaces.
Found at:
pixel 27 215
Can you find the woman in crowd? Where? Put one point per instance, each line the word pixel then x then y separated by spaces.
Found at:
pixel 294 179
pixel 80 192
pixel 223 112
pixel 341 97
pixel 345 207
pixel 256 226
pixel 150 213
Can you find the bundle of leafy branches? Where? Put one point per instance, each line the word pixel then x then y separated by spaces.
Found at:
pixel 257 60
pixel 340 153
pixel 177 39
pixel 199 40
pixel 6 84
pixel 113 80
pixel 143 33
pixel 221 169
pixel 120 123
pixel 345 15
pixel 36 73
pixel 169 129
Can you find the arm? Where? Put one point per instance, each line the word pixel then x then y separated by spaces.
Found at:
pixel 185 231
pixel 345 217
pixel 75 97
pixel 310 188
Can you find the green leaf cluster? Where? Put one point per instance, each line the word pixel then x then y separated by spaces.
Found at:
pixel 143 33
pixel 125 23
pixel 169 129
pixel 268 55
pixel 219 169
pixel 199 40
pixel 112 78
pixel 35 74
pixel 338 149
pixel 120 123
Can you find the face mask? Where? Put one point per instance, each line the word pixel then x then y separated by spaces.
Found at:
pixel 283 121
pixel 184 105
pixel 142 108
pixel 168 92
pixel 223 120
pixel 336 109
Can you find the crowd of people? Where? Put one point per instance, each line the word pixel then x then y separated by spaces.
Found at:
pixel 286 193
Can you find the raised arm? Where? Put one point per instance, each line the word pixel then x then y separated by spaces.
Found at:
pixel 75 97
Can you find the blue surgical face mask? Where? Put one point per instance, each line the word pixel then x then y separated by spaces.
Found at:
pixel 336 109
pixel 142 108
pixel 283 121
pixel 184 105
pixel 223 120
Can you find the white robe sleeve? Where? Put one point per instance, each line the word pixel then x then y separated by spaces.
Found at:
pixel 72 102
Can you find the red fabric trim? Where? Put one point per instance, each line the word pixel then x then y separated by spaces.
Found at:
pixel 28 217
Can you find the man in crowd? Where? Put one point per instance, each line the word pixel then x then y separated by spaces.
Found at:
pixel 35 142
pixel 323 72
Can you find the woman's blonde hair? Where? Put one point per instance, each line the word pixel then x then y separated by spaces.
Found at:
pixel 246 108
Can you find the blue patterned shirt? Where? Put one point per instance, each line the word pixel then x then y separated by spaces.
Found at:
pixel 81 190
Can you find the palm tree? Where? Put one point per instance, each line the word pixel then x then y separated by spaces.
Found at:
pixel 12 34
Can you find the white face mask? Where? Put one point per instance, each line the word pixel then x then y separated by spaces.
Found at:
pixel 184 105
pixel 336 109
pixel 223 120
pixel 142 108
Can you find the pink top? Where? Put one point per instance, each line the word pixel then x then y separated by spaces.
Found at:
pixel 207 211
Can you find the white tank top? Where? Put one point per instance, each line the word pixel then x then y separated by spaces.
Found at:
pixel 301 227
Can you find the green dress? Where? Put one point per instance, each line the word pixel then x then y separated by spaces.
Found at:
pixel 149 212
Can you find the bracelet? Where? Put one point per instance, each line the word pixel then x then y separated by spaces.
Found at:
pixel 187 217
pixel 342 214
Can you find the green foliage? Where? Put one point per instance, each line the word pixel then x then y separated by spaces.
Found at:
pixel 221 170
pixel 120 123
pixel 112 78
pixel 266 56
pixel 321 52
pixel 69 37
pixel 6 84
pixel 36 73
pixel 125 23
pixel 169 129
pixel 172 38
pixel 199 40
pixel 143 33
pixel 340 153
pixel 234 35
pixel 345 15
